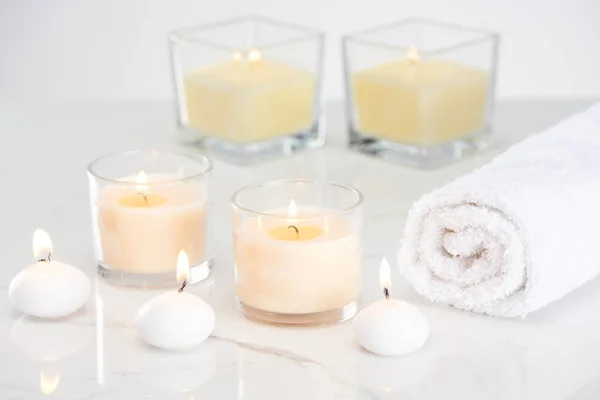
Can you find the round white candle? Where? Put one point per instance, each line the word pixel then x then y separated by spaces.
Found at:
pixel 142 227
pixel 391 327
pixel 48 288
pixel 317 273
pixel 176 320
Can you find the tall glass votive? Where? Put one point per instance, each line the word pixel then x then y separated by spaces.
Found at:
pixel 249 88
pixel 147 206
pixel 420 93
pixel 297 251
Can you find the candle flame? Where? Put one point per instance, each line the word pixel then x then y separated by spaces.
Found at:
pixel 42 244
pixel 385 274
pixel 49 381
pixel 412 54
pixel 254 56
pixel 142 183
pixel 183 267
pixel 259 223
pixel 292 209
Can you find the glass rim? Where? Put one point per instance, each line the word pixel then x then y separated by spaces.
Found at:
pixel 483 36
pixel 359 196
pixel 198 158
pixel 184 34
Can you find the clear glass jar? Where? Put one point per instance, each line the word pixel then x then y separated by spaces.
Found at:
pixel 147 206
pixel 418 92
pixel 248 89
pixel 297 251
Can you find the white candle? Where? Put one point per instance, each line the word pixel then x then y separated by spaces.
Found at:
pixel 48 288
pixel 390 327
pixel 176 319
pixel 297 266
pixel 142 228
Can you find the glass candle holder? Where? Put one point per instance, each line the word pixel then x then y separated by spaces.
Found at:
pixel 248 88
pixel 420 93
pixel 147 206
pixel 297 251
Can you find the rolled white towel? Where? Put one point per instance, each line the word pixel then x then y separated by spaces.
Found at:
pixel 516 234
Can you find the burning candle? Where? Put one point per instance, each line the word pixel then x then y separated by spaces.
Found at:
pixel 249 98
pixel 440 100
pixel 299 263
pixel 390 327
pixel 176 320
pixel 280 263
pixel 146 207
pixel 142 227
pixel 48 288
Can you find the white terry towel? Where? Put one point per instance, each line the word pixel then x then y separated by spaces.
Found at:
pixel 516 234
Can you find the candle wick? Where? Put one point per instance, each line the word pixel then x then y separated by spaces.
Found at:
pixel 145 198
pixel 386 293
pixel 47 259
pixel 183 285
pixel 296 229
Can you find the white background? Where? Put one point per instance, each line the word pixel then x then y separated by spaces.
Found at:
pixel 116 49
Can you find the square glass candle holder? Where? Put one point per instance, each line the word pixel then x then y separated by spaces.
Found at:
pixel 420 93
pixel 147 206
pixel 297 252
pixel 249 88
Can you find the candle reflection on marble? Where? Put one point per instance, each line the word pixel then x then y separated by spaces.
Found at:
pixel 99 335
pixel 171 375
pixel 49 344
pixel 49 381
pixel 49 340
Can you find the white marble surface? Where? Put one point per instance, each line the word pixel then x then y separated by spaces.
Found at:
pixel 552 354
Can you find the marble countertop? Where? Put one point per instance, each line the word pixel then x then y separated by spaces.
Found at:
pixel 95 354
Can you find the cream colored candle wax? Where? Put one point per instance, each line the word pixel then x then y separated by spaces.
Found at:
pixel 420 102
pixel 142 230
pixel 297 267
pixel 247 100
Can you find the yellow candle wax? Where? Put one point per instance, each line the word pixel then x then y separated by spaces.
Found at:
pixel 249 100
pixel 295 233
pixel 420 102
pixel 142 200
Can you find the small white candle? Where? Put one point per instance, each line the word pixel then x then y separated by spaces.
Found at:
pixel 48 288
pixel 177 319
pixel 390 327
